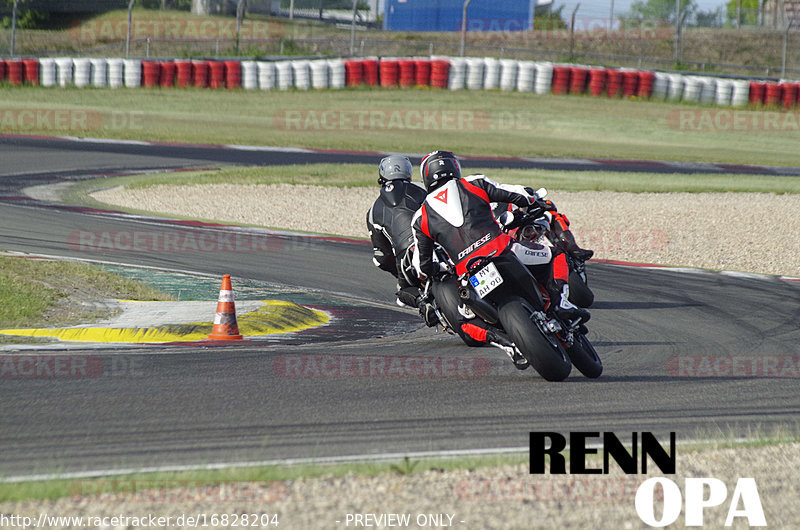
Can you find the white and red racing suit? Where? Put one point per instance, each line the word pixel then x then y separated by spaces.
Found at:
pixel 458 216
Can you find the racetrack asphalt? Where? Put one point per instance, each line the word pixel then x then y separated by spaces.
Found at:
pixel 200 404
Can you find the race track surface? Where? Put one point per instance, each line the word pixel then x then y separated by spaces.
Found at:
pixel 199 404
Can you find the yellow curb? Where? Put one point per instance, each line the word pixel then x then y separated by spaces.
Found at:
pixel 275 316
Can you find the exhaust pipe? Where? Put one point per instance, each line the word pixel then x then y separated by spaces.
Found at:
pixel 480 307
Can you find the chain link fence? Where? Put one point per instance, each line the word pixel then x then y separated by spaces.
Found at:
pixel 766 43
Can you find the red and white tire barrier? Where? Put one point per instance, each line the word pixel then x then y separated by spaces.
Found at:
pixel 453 73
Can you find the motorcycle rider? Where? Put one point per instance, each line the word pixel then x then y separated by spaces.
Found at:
pixel 557 225
pixel 457 214
pixel 389 225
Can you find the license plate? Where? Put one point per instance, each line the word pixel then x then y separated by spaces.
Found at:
pixel 486 280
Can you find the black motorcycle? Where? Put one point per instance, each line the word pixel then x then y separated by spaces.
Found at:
pixel 503 293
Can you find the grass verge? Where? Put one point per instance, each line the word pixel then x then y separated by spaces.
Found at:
pixel 42 292
pixel 53 489
pixel 364 175
pixel 490 123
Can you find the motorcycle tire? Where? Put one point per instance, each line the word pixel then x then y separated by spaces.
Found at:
pixel 584 357
pixel 447 301
pixel 579 292
pixel 546 356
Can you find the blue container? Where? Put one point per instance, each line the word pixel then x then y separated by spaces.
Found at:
pixel 445 15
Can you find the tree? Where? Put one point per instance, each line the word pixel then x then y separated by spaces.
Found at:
pixel 709 19
pixel 748 16
pixel 661 10
pixel 26 18
pixel 546 18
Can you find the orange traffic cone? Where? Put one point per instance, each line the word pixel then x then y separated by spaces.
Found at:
pixel 225 326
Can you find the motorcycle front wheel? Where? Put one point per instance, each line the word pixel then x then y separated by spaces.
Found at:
pixel 584 357
pixel 546 356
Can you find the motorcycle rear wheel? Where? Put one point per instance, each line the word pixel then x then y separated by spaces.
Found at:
pixel 579 292
pixel 547 357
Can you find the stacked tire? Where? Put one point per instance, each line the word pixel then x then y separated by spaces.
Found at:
pixel 474 73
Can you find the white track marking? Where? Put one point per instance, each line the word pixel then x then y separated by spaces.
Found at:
pixel 383 457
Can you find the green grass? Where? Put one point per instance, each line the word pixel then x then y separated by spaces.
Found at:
pixel 491 123
pixel 53 489
pixel 364 175
pixel 31 291
pixel 22 301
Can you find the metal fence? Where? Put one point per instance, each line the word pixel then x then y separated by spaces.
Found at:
pixel 583 53
pixel 758 50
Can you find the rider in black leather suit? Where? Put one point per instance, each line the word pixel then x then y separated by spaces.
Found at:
pixel 389 224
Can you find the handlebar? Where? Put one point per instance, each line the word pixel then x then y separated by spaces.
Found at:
pixel 534 211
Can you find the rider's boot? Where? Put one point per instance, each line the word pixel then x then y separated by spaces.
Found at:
pixel 407 297
pixel 428 314
pixel 565 309
pixel 410 297
pixel 520 362
pixel 568 239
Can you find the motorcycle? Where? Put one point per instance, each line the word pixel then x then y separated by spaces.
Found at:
pixel 534 227
pixel 503 293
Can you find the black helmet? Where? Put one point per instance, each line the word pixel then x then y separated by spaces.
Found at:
pixel 394 167
pixel 439 167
